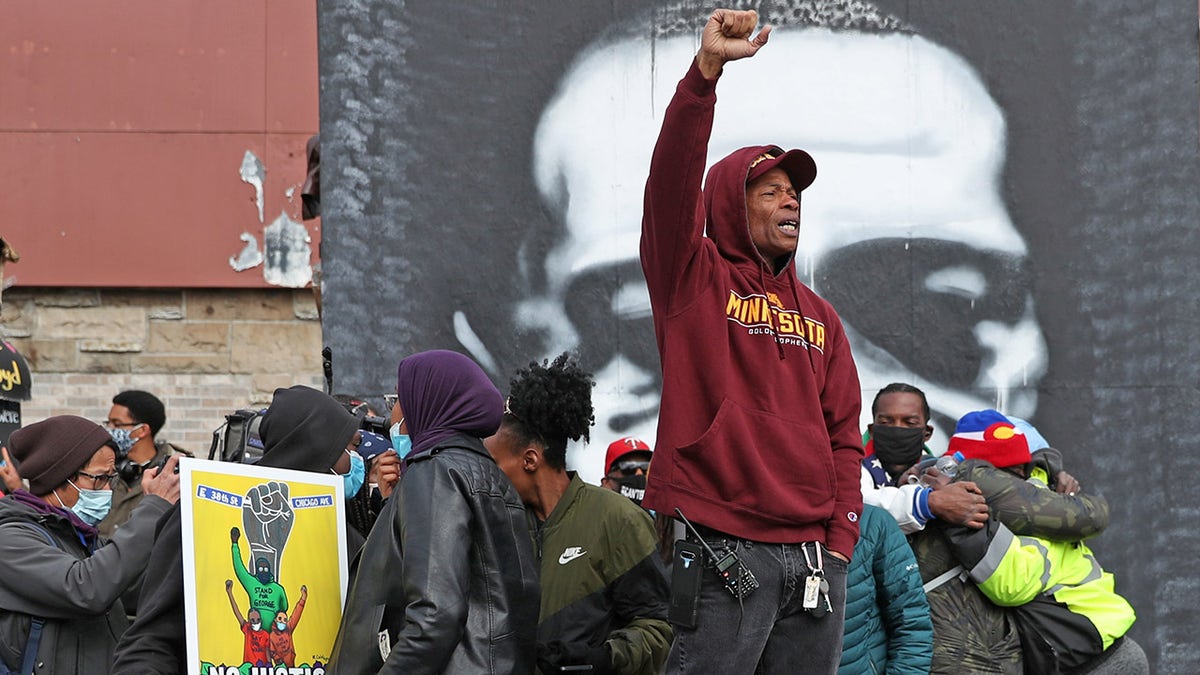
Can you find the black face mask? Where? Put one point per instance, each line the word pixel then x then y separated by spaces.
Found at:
pixel 898 446
pixel 633 487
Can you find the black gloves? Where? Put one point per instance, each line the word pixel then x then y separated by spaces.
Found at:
pixel 553 656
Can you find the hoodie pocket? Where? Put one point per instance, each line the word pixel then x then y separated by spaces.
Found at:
pixel 779 468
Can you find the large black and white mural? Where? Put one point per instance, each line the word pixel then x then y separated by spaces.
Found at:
pixel 906 230
pixel 1003 215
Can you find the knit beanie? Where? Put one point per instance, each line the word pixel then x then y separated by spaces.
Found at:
pixel 50 452
pixel 990 436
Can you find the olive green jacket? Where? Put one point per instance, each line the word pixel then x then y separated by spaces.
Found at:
pixel 603 581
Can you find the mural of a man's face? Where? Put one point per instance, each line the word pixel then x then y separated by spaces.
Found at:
pixel 905 230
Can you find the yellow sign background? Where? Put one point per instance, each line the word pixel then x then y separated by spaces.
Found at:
pixel 309 558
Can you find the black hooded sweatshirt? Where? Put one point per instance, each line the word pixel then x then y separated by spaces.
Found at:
pixel 303 430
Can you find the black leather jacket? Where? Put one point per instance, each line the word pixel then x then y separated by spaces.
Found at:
pixel 448 571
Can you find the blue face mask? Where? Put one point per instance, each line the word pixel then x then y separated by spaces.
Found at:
pixel 353 481
pixel 93 505
pixel 281 625
pixel 401 443
pixel 123 440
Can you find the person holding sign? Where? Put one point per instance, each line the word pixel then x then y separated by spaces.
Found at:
pixel 304 430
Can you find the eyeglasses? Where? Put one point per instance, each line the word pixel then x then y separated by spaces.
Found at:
pixel 117 424
pixel 390 401
pixel 98 482
pixel 631 467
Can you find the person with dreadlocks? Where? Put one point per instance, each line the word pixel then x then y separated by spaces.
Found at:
pixel 605 595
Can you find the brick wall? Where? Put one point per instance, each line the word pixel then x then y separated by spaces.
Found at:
pixel 203 352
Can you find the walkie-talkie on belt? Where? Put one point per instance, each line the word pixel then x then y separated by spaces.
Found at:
pixel 738 578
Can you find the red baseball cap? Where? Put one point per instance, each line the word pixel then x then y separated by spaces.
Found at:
pixel 621 447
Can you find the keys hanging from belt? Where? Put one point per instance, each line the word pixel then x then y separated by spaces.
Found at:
pixel 816 587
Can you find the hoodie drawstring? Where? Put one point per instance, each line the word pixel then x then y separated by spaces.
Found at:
pixel 803 322
pixel 762 285
pixel 804 330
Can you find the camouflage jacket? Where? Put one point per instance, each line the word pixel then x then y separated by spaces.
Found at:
pixel 970 634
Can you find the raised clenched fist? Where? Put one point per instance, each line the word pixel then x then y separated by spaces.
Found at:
pixel 729 36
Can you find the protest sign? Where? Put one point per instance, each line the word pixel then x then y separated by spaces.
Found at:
pixel 264 560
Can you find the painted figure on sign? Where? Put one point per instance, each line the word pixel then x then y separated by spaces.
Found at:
pixel 254 649
pixel 265 593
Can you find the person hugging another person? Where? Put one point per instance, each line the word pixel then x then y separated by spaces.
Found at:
pixel 1068 615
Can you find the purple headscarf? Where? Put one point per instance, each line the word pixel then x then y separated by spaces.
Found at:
pixel 443 393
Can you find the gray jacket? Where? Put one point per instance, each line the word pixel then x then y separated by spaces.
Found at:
pixel 76 590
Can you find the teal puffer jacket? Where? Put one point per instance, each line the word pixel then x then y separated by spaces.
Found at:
pixel 888 629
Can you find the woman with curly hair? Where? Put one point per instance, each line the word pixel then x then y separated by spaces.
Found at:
pixel 604 592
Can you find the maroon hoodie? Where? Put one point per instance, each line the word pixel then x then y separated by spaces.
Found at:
pixel 758 429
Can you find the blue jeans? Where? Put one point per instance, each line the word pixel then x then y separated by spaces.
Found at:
pixel 769 632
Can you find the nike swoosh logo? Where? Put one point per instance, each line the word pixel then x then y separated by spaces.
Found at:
pixel 571 554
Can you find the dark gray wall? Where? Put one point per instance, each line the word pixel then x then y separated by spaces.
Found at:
pixel 428 113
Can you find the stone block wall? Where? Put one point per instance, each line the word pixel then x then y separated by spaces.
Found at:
pixel 204 352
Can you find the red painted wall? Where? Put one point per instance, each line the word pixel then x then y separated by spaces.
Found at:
pixel 123 125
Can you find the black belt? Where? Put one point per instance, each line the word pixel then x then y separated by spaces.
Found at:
pixel 709 533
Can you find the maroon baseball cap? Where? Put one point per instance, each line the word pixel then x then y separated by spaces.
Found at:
pixel 798 165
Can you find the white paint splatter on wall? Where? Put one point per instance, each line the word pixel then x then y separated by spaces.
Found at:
pixel 253 172
pixel 250 255
pixel 288 253
pixel 286 246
